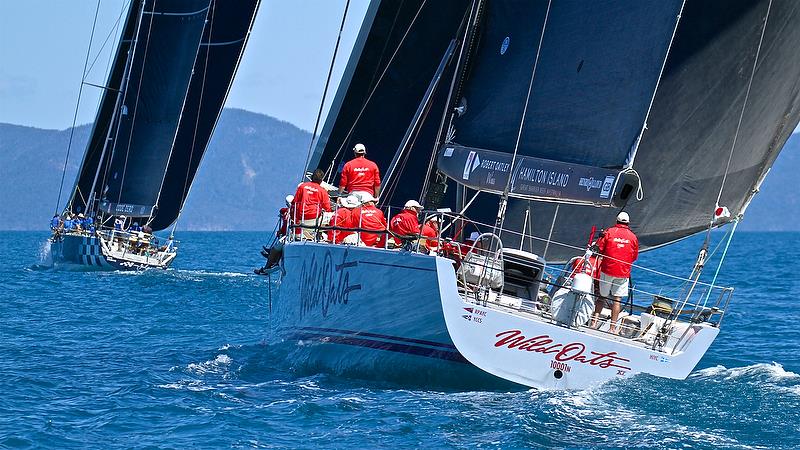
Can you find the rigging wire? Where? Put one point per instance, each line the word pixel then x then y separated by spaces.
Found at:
pixel 327 84
pixel 113 32
pixel 77 107
pixel 744 104
pixel 374 88
pixel 501 213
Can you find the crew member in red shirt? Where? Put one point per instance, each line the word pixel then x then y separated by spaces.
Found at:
pixel 430 231
pixel 342 218
pixel 368 217
pixel 309 202
pixel 619 248
pixel 360 175
pixel 406 222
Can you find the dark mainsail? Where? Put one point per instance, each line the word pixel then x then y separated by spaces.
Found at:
pixel 161 69
pixel 171 75
pixel 224 39
pixel 683 153
pixel 567 84
pixel 396 54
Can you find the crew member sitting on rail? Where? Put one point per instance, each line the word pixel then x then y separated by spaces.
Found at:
pixel 360 175
pixel 55 222
pixel 342 218
pixel 309 202
pixel 430 232
pixel 368 217
pixel 406 222
pixel 619 248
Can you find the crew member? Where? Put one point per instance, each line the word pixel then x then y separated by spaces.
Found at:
pixel 119 223
pixel 342 218
pixel 430 232
pixel 368 217
pixel 309 202
pixel 619 248
pixel 406 222
pixel 55 222
pixel 360 175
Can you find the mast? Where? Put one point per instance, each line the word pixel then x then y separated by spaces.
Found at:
pixel 115 118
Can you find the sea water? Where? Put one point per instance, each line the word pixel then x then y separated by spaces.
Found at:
pixel 181 358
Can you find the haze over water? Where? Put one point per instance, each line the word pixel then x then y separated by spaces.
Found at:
pixel 182 358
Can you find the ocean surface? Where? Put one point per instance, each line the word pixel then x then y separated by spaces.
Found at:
pixel 182 359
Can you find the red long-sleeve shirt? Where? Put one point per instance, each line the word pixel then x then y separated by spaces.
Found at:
pixel 309 201
pixel 342 218
pixel 369 217
pixel 360 174
pixel 404 223
pixel 621 248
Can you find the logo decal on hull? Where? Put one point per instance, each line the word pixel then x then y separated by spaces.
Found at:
pixel 574 351
pixel 326 283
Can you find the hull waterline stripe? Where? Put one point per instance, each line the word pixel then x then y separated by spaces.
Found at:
pixel 382 345
pixel 380 336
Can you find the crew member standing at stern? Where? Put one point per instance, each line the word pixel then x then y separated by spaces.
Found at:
pixel 360 175
pixel 619 248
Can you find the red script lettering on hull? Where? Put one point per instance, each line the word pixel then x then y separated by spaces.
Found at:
pixel 574 351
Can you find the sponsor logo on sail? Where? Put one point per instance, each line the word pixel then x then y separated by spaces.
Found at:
pixel 504 45
pixel 468 165
pixel 605 192
pixel 590 183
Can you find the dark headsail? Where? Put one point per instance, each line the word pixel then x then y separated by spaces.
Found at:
pixel 172 72
pixel 682 156
pixel 566 84
pixel 398 50
pixel 224 38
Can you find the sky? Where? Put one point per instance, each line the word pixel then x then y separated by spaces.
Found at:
pixel 43 46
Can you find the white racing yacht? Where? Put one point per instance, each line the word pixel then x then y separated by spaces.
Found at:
pixel 532 123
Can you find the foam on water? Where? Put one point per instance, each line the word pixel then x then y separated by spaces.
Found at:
pixel 178 358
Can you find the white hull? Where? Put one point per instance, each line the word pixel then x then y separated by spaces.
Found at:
pixel 380 314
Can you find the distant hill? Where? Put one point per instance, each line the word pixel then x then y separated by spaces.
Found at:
pixel 252 163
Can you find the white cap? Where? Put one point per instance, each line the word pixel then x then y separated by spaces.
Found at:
pixel 366 197
pixel 412 204
pixel 359 148
pixel 351 201
pixel 474 236
pixel 289 199
pixel 121 217
pixel 623 217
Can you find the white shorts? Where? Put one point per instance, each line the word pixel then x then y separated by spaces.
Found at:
pixel 613 286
